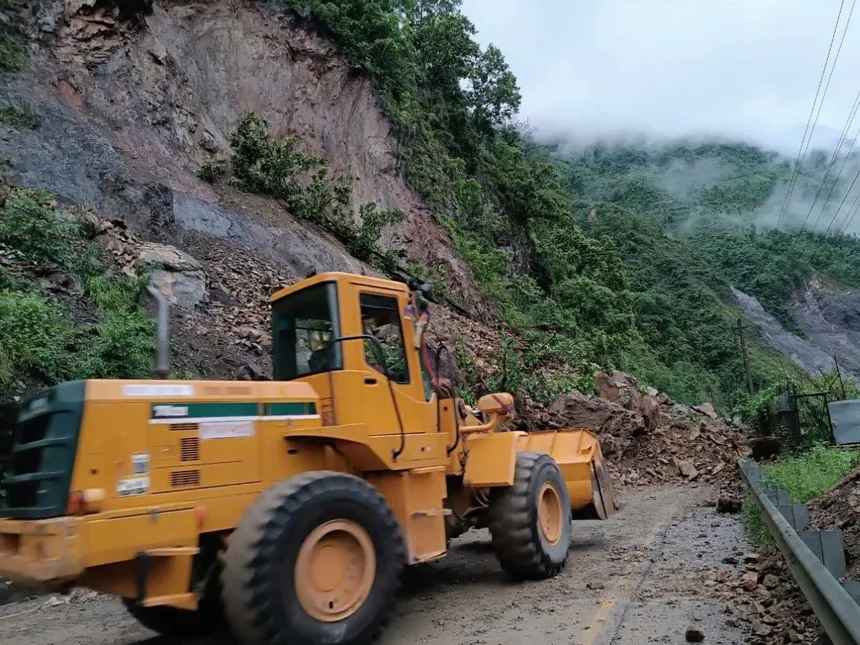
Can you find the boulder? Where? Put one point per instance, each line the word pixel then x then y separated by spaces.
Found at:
pixel 576 410
pixel 176 274
pixel 707 409
pixel 621 388
pixel 617 387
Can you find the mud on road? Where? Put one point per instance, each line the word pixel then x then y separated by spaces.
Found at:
pixel 641 577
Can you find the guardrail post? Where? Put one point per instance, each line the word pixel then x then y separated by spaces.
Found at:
pixel 853 589
pixel 828 547
pixel 796 514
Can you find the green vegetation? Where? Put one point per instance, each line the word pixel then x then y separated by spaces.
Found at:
pixel 17 118
pixel 808 475
pixel 574 291
pixel 804 478
pixel 13 55
pixel 212 170
pixel 452 103
pixel 277 167
pixel 753 522
pixel 45 340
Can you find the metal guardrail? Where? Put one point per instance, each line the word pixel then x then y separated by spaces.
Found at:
pixel 816 571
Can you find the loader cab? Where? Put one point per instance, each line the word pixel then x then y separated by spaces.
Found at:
pixel 349 336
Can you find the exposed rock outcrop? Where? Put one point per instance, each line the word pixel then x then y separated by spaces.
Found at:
pixel 132 107
pixel 808 355
pixel 830 316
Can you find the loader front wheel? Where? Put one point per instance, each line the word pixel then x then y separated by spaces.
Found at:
pixel 316 559
pixel 530 520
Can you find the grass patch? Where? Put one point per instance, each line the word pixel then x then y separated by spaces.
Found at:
pixel 17 118
pixel 753 522
pixel 13 54
pixel 804 477
pixel 34 339
pixel 32 229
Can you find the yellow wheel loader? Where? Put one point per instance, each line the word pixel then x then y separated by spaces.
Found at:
pixel 288 508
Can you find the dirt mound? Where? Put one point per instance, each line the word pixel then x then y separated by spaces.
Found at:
pixel 646 437
pixel 839 508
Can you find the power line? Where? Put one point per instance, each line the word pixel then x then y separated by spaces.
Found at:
pixel 842 137
pixel 842 203
pixel 821 104
pixel 801 153
pixel 836 179
pixel 847 221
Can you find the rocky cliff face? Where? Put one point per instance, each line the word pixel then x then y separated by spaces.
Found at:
pixel 830 316
pixel 131 106
pixel 809 356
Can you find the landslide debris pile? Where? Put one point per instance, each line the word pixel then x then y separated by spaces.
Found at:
pixel 220 291
pixel 839 508
pixel 766 599
pixel 646 437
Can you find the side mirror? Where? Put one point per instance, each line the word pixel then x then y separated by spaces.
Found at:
pixel 418 311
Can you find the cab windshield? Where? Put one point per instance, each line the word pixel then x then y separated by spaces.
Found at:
pixel 303 326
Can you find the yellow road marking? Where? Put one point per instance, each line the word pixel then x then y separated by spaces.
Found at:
pixel 593 630
pixel 20 613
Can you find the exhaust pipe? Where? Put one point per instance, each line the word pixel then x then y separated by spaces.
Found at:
pixel 162 344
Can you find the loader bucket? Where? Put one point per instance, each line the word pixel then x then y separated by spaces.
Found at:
pixel 577 453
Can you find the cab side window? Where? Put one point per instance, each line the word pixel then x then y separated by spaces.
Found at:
pixel 380 318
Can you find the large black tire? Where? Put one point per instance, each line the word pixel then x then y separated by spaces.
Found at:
pixel 522 546
pixel 260 595
pixel 181 624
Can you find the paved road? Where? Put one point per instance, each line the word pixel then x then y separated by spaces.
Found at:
pixel 638 578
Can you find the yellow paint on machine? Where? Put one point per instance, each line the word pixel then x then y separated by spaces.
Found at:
pixel 163 468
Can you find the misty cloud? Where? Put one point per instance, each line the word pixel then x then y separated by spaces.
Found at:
pixel 735 69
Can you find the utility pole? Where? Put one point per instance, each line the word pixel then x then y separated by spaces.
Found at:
pixel 741 329
pixel 839 374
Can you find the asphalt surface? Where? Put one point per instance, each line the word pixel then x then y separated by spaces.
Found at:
pixel 638 578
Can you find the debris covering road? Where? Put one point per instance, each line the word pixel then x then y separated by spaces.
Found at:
pixel 645 576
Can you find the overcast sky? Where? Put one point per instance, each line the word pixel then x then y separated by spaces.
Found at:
pixel 743 69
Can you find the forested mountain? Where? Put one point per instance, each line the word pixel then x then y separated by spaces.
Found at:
pixel 379 135
pixel 618 256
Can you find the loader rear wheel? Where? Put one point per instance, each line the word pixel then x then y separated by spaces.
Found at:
pixel 316 559
pixel 530 520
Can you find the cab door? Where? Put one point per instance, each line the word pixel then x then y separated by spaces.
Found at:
pixel 381 318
